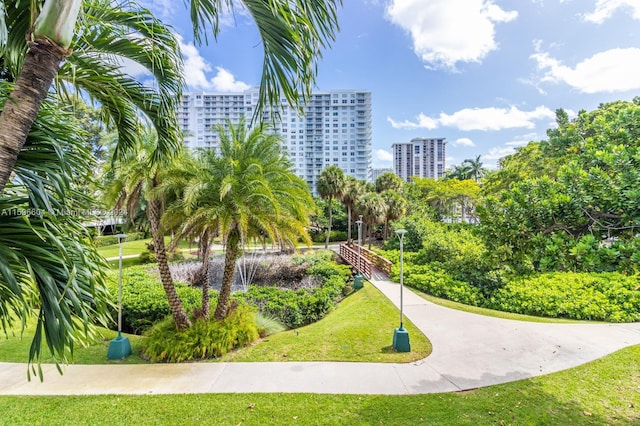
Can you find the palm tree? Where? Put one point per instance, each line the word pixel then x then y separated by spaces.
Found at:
pixel 249 190
pixel 373 209
pixel 475 168
pixel 389 181
pixel 331 184
pixel 293 33
pixel 92 65
pixel 396 208
pixel 129 181
pixel 354 189
pixel 47 260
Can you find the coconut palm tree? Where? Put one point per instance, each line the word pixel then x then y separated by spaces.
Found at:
pixel 132 179
pixel 248 190
pixel 331 185
pixel 293 33
pixel 475 168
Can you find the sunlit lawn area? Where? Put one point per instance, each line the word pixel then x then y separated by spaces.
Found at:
pixel 603 392
pixel 360 329
pixel 15 348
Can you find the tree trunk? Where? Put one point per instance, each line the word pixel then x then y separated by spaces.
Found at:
pixel 206 250
pixel 349 221
pixel 175 305
pixel 230 257
pixel 41 64
pixel 326 244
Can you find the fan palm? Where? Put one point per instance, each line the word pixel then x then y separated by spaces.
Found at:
pixel 331 185
pixel 373 209
pixel 247 190
pixel 293 34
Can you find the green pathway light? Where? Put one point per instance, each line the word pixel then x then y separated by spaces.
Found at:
pixel 401 335
pixel 120 347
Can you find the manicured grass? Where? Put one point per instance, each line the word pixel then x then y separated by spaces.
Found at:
pixel 137 247
pixel 603 392
pixel 493 313
pixel 16 348
pixel 359 329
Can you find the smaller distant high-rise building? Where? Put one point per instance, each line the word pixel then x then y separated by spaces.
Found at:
pixel 422 157
pixel 377 172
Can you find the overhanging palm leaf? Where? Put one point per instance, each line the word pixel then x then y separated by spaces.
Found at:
pixel 46 259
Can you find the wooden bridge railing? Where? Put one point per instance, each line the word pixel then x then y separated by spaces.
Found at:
pixel 380 262
pixel 351 256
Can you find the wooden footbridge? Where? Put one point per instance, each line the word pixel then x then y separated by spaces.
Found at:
pixel 366 261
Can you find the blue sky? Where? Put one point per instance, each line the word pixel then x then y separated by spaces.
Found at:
pixel 487 75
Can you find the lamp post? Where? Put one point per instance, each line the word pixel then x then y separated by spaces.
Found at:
pixel 119 347
pixel 401 335
pixel 358 281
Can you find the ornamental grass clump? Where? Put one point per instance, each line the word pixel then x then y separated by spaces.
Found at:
pixel 205 339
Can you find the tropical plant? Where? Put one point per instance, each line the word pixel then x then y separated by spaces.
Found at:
pixel 47 260
pixel 389 181
pixel 354 190
pixel 293 35
pixel 130 180
pixel 331 185
pixel 373 210
pixel 248 190
pixel 84 55
pixel 396 208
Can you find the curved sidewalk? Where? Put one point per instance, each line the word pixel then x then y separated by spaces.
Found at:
pixel 469 351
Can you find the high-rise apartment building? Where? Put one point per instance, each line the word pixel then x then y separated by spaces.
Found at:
pixel 422 157
pixel 334 129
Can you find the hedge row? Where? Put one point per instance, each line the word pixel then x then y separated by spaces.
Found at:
pixel 607 296
pixel 145 303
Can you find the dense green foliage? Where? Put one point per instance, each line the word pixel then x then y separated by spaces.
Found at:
pixel 204 339
pixel 571 202
pixel 452 264
pixel 144 301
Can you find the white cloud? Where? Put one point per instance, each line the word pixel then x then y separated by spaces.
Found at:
pixel 196 69
pixel 463 142
pixel 224 81
pixel 606 8
pixel 446 32
pixel 383 156
pixel 479 119
pixel 498 152
pixel 614 70
pixel 131 67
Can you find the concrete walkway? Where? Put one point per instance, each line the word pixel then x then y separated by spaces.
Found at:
pixel 469 351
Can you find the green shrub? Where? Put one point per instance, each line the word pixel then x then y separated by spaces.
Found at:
pixel 335 236
pixel 105 240
pixel 584 296
pixel 148 256
pixel 204 339
pixel 144 301
pixel 268 324
pixel 296 308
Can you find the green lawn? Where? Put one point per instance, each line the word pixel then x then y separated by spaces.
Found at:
pixel 16 348
pixel 359 329
pixel 603 392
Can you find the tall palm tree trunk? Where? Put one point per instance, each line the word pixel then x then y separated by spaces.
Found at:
pixel 206 271
pixel 326 244
pixel 230 258
pixel 41 64
pixel 175 305
pixel 349 223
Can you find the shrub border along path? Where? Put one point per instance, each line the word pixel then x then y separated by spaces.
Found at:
pixel 469 351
